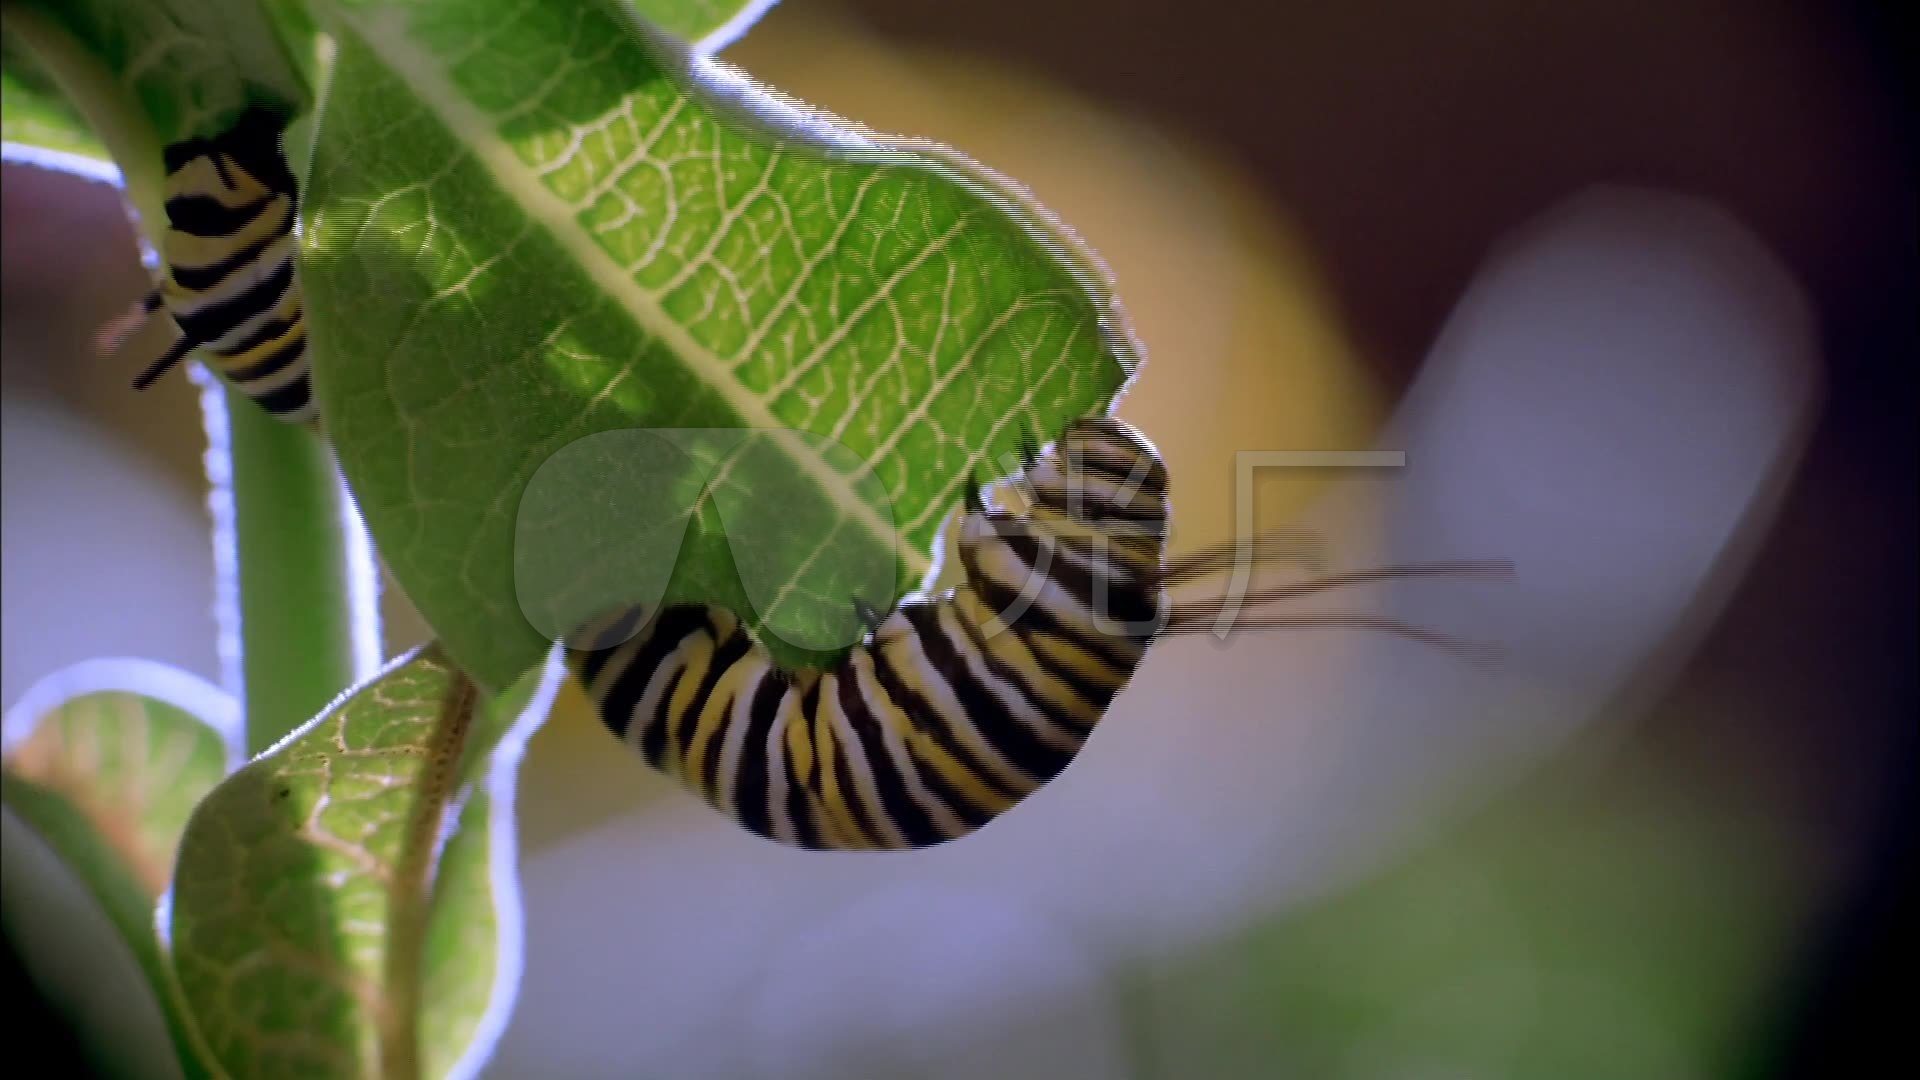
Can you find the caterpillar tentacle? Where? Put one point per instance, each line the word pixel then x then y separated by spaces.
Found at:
pixel 1298 547
pixel 1191 612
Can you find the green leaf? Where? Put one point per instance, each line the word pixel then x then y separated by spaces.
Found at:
pixel 33 112
pixel 346 902
pixel 533 224
pixel 710 25
pixel 105 761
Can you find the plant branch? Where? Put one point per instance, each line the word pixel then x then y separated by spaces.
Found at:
pixel 287 534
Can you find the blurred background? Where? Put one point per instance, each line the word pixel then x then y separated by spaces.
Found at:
pixel 1632 284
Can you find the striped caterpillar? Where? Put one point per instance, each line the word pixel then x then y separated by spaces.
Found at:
pixel 229 283
pixel 953 708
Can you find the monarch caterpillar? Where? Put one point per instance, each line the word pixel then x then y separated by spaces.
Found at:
pixel 229 283
pixel 954 708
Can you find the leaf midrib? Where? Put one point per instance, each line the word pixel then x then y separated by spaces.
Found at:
pixel 385 34
pixel 411 887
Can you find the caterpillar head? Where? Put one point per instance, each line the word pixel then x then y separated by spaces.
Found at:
pixel 1100 486
pixel 1111 447
pixel 1102 475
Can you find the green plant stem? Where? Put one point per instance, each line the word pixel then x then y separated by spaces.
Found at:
pixel 295 595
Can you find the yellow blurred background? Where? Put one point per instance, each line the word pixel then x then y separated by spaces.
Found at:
pixel 1284 856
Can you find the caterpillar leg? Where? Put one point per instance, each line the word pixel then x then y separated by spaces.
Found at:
pixel 181 347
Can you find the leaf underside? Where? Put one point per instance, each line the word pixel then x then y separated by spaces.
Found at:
pixel 533 224
pixel 343 904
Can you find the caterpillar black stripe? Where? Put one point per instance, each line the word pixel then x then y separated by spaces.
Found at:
pixel 229 282
pixel 953 708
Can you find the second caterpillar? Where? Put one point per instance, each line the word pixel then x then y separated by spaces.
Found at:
pixel 229 281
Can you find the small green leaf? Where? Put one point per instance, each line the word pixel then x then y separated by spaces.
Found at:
pixel 709 25
pixel 532 225
pixel 345 904
pixel 105 761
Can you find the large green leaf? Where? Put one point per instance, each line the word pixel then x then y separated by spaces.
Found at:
pixel 346 903
pixel 105 761
pixel 531 224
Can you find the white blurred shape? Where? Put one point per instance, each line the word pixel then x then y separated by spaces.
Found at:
pixel 1617 407
pixel 103 556
pixel 637 933
pixel 1610 407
